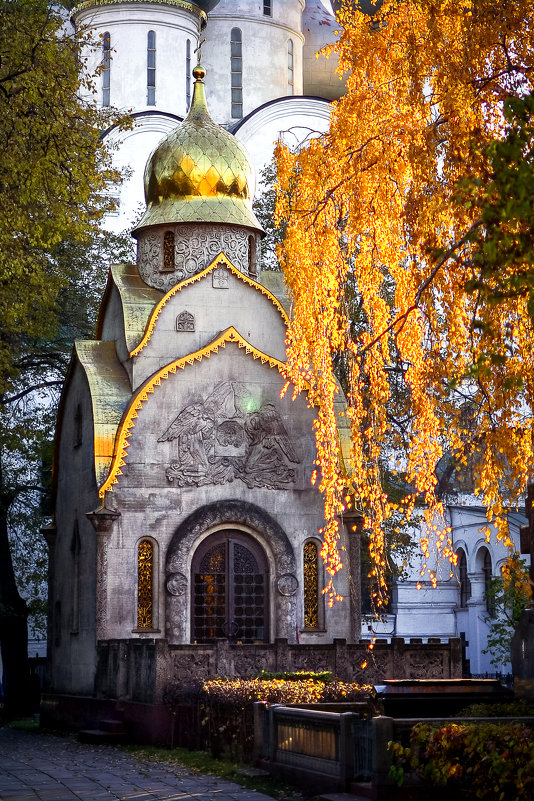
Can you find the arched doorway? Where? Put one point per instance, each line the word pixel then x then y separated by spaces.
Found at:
pixel 229 584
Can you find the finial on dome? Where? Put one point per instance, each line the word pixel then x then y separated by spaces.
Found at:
pixel 199 73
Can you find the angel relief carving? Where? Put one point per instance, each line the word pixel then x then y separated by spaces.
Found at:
pixel 228 436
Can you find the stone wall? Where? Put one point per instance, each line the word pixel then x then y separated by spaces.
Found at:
pixel 142 670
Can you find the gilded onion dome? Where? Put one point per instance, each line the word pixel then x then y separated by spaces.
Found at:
pixel 199 173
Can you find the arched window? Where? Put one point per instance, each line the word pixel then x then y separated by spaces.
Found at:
pixel 106 69
pixel 229 587
pixel 168 252
pixel 75 547
pixel 145 585
pixel 488 576
pixel 267 8
pixel 290 71
pixel 463 580
pixel 311 585
pixel 236 67
pixel 151 69
pixel 188 74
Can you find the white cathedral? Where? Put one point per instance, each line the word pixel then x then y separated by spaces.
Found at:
pixel 185 540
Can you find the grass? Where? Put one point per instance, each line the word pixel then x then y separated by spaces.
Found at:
pixel 203 763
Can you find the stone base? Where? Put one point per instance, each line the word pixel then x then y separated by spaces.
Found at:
pixel 524 688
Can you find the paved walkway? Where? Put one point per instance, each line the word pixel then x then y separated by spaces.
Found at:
pixel 52 768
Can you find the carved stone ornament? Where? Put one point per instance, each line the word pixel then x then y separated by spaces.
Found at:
pixel 176 584
pixel 185 322
pixel 287 584
pixel 222 439
pixel 219 278
pixel 195 247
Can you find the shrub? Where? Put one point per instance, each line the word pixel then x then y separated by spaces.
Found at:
pixel 494 762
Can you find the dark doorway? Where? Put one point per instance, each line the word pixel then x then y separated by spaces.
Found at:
pixel 230 590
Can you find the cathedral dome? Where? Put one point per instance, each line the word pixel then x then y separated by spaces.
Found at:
pixel 319 28
pixel 199 173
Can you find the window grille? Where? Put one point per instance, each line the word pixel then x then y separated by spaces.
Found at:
pixel 151 69
pixel 236 67
pixel 168 252
pixel 311 586
pixel 106 69
pixel 290 71
pixel 188 74
pixel 145 586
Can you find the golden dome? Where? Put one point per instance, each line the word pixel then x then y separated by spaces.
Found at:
pixel 199 173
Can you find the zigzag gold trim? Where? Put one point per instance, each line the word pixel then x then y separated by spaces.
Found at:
pixel 219 261
pixel 125 429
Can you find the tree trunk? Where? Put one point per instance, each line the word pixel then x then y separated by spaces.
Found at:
pixel 13 630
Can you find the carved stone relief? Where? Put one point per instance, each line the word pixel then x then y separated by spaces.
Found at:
pixel 176 584
pixel 287 584
pixel 195 247
pixel 185 322
pixel 220 278
pixel 220 439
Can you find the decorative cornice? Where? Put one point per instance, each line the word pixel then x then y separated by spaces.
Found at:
pixel 219 261
pixel 231 335
pixel 177 3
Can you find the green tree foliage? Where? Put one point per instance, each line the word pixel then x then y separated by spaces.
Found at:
pixel 54 167
pixel 504 234
pixel 54 173
pixel 507 597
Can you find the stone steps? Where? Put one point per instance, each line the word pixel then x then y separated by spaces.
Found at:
pixel 109 731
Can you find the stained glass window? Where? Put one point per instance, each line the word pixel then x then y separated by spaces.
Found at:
pixel 145 583
pixel 311 586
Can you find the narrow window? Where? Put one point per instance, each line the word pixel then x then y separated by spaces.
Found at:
pixel 151 69
pixel 106 67
pixel 236 63
pixel 188 74
pixel 267 8
pixel 488 576
pixel 290 72
pixel 311 586
pixel 145 573
pixel 168 252
pixel 465 584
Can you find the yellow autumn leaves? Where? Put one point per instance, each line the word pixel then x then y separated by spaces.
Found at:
pixel 432 372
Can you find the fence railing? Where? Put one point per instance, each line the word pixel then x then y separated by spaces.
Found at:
pixel 330 750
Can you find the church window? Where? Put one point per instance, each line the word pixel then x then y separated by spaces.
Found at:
pixel 267 8
pixel 151 69
pixel 229 589
pixel 290 71
pixel 488 577
pixel 106 69
pixel 311 585
pixel 236 65
pixel 168 252
pixel 188 74
pixel 145 584
pixel 465 584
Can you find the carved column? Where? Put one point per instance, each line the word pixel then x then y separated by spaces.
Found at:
pixel 102 520
pixel 352 520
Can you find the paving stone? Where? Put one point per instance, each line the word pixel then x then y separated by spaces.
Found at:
pixel 44 767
